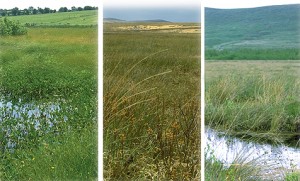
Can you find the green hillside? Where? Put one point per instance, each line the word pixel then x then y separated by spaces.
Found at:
pixel 77 18
pixel 270 27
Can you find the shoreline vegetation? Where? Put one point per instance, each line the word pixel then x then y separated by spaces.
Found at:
pixel 257 101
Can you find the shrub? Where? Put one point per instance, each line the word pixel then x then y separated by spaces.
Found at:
pixel 8 27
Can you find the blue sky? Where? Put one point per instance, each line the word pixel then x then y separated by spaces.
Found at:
pixel 173 14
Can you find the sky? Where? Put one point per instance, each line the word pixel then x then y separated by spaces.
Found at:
pixel 231 4
pixel 174 11
pixel 150 3
pixel 53 4
pixel 56 4
pixel 173 14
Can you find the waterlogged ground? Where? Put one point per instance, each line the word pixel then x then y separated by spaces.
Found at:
pixel 19 121
pixel 50 134
pixel 259 99
pixel 274 160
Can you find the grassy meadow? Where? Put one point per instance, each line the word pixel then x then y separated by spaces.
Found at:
pixel 151 105
pixel 76 18
pixel 48 102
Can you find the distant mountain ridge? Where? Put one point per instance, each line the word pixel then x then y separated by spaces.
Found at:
pixel 112 20
pixel 120 20
pixel 267 27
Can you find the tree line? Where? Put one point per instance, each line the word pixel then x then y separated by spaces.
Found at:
pixel 31 10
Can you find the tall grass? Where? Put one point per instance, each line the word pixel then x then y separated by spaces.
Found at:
pixel 151 131
pixel 259 106
pixel 240 169
pixel 256 101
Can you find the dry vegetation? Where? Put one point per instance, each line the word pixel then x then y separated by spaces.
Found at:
pixel 151 105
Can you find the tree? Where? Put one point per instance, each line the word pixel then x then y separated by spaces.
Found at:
pixel 74 8
pixel 26 11
pixel 35 11
pixel 30 9
pixel 41 10
pixel 63 9
pixel 3 12
pixel 15 11
pixel 47 10
pixel 79 8
pixel 88 8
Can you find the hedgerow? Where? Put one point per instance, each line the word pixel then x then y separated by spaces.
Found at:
pixel 11 28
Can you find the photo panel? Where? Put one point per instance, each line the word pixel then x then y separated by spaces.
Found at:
pixel 252 105
pixel 151 82
pixel 48 90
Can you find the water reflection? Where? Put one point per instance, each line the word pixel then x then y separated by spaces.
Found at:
pixel 277 159
pixel 20 120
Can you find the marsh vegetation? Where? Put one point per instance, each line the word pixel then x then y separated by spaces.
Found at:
pixel 151 105
pixel 48 104
pixel 258 101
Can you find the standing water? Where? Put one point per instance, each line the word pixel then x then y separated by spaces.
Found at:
pixel 274 161
pixel 20 122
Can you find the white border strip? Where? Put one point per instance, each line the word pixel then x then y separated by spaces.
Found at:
pixel 100 91
pixel 202 90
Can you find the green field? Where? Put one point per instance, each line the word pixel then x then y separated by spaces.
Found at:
pixel 48 100
pixel 151 105
pixel 258 99
pixel 77 18
pixel 263 33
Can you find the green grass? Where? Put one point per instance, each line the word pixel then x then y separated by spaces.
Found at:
pixel 240 169
pixel 258 99
pixel 52 65
pixel 253 54
pixel 151 106
pixel 295 176
pixel 255 106
pixel 72 157
pixel 262 27
pixel 263 33
pixel 77 18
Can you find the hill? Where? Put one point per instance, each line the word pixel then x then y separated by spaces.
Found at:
pixel 262 27
pixel 154 21
pixel 112 20
pixel 76 18
pixel 115 20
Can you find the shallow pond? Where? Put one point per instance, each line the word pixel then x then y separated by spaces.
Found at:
pixel 20 121
pixel 275 161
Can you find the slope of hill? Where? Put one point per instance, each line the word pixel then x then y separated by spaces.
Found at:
pixel 112 20
pixel 154 21
pixel 77 18
pixel 115 20
pixel 262 27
